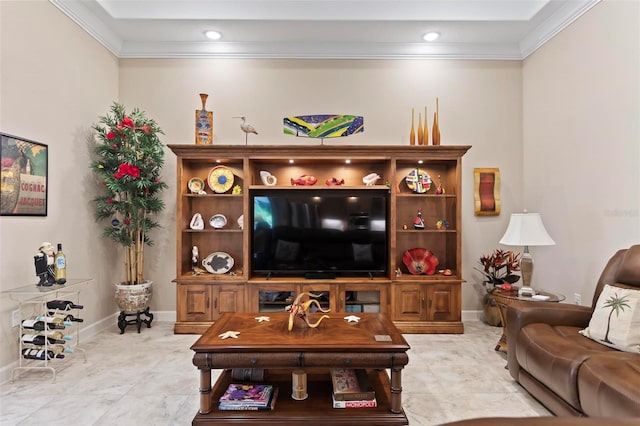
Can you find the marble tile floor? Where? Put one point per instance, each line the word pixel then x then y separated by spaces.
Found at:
pixel 148 379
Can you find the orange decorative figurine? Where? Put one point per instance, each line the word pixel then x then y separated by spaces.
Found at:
pixel 301 310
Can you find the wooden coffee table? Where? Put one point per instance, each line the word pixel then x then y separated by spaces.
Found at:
pixel 373 343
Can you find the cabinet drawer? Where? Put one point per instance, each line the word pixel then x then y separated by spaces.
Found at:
pixel 249 360
pixel 350 360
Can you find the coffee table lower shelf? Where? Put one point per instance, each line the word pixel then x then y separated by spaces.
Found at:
pixel 316 409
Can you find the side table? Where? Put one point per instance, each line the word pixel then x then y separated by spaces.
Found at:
pixel 505 298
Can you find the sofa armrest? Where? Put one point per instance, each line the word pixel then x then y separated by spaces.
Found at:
pixel 520 315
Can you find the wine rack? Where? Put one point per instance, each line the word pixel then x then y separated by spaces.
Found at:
pixel 33 304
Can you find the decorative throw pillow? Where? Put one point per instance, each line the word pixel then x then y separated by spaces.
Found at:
pixel 615 321
pixel 287 251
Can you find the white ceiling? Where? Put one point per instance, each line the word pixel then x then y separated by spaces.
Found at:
pixel 470 29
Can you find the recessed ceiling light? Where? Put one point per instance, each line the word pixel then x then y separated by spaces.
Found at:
pixel 213 35
pixel 431 36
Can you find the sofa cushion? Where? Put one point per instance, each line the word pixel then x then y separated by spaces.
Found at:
pixel 609 385
pixel 616 319
pixel 553 355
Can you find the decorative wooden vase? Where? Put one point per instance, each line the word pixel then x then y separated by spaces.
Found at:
pixel 412 133
pixel 420 130
pixel 425 131
pixel 204 123
pixel 435 132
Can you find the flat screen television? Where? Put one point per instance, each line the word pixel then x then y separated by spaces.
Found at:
pixel 319 233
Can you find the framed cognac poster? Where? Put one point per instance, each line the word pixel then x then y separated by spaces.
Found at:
pixel 23 190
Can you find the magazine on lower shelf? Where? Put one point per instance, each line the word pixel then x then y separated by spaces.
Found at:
pixel 248 397
pixel 351 385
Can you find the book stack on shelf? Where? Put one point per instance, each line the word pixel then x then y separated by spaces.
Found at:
pixel 351 389
pixel 248 397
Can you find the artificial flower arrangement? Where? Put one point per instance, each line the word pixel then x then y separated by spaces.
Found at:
pixel 498 268
pixel 128 160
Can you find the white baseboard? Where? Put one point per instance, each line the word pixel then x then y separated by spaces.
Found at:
pixel 472 316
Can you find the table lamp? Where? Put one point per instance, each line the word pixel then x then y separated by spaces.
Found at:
pixel 526 229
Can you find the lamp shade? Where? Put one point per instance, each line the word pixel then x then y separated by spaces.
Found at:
pixel 526 229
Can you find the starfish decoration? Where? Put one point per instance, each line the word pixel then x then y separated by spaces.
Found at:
pixel 227 334
pixel 352 318
pixel 261 319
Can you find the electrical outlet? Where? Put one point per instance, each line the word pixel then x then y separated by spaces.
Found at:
pixel 577 298
pixel 15 318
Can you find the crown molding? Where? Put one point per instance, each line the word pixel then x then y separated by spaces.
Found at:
pixel 562 18
pixel 91 23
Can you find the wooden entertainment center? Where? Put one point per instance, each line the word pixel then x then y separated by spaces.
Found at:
pixel 415 303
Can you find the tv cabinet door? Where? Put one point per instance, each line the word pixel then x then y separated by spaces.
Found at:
pixel 194 303
pixel 227 298
pixel 443 302
pixel 355 298
pixel 265 298
pixel 409 302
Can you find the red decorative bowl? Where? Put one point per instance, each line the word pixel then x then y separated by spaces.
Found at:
pixel 420 261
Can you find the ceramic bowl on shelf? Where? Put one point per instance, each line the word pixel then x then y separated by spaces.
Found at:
pixel 418 181
pixel 218 262
pixel 220 179
pixel 196 186
pixel 420 261
pixel 218 221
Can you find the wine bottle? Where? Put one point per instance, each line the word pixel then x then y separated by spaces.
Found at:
pixel 67 318
pixel 40 340
pixel 53 320
pixel 40 354
pixel 58 349
pixel 33 324
pixel 57 335
pixel 60 266
pixel 63 305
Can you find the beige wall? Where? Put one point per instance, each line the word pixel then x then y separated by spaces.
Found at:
pixel 55 80
pixel 480 105
pixel 562 128
pixel 582 145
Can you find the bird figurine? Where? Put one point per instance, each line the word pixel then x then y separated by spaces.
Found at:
pixel 246 128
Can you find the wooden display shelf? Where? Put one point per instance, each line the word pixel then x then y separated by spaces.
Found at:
pixel 391 162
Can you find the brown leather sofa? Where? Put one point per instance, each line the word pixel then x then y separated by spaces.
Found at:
pixel 570 374
pixel 544 421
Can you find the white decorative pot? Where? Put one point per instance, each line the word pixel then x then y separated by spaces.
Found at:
pixel 134 298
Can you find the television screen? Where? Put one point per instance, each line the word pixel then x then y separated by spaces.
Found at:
pixel 319 233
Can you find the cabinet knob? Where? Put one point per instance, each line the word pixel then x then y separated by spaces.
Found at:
pixel 347 361
pixel 253 361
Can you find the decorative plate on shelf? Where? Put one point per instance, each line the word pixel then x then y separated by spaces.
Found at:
pixel 420 261
pixel 418 181
pixel 196 185
pixel 218 221
pixel 218 262
pixel 220 179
